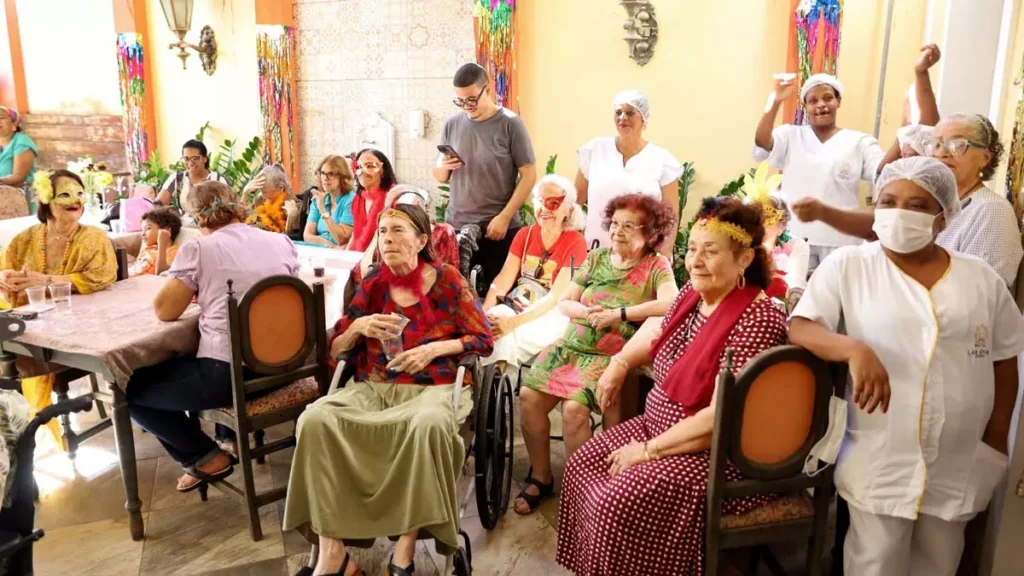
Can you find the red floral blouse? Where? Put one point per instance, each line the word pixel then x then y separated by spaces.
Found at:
pixel 458 315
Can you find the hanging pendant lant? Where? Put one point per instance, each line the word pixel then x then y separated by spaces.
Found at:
pixel 641 29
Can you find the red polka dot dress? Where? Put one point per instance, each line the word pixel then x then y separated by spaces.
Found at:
pixel 649 520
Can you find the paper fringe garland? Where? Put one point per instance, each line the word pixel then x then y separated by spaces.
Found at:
pixel 275 62
pixel 133 97
pixel 809 17
pixel 495 44
pixel 1015 166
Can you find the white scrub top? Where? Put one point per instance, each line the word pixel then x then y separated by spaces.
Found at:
pixel 925 455
pixel 608 176
pixel 830 171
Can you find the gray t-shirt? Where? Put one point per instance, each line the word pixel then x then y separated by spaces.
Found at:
pixel 493 151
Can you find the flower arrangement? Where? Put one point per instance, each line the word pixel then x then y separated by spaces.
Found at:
pixel 270 215
pixel 95 175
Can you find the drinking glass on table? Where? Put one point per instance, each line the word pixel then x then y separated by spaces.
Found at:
pixel 61 295
pixel 393 347
pixel 319 263
pixel 36 297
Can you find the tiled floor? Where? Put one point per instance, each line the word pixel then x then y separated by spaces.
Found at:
pixel 82 511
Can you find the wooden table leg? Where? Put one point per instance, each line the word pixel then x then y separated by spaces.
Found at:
pixel 126 453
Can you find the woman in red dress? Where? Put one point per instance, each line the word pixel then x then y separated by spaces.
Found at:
pixel 634 496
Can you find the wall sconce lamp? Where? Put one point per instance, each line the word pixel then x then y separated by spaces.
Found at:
pixel 179 19
pixel 641 29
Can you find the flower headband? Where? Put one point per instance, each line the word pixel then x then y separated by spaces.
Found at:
pixel 43 187
pixel 731 230
pixel 11 113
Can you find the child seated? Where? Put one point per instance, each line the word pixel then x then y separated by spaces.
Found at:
pixel 160 228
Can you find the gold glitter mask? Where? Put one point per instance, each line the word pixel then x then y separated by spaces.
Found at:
pixel 68 193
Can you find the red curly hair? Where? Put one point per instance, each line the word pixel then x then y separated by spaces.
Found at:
pixel 658 219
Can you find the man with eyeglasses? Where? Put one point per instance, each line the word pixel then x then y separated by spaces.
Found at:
pixel 494 151
pixel 175 190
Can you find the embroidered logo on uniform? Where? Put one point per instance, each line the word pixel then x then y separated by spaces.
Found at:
pixel 844 171
pixel 980 342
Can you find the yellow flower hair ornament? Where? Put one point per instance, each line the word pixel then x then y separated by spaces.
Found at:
pixel 43 187
pixel 760 188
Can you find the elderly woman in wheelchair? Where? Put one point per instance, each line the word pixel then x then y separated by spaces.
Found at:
pixel 381 456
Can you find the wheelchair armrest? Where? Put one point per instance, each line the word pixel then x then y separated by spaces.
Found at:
pixel 468 361
pixel 78 404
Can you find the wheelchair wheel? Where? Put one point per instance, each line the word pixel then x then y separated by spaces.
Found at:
pixel 461 561
pixel 493 447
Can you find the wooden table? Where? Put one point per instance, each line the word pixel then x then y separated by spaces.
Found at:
pixel 114 332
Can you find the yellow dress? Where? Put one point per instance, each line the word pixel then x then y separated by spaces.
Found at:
pixel 91 265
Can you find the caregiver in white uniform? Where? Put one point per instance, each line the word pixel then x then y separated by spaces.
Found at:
pixel 625 164
pixel 932 339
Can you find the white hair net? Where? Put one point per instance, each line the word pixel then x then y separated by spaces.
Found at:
pixel 577 218
pixel 928 173
pixel 913 136
pixel 636 99
pixel 821 80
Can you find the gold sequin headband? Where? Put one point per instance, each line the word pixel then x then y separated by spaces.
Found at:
pixel 392 213
pixel 729 229
pixel 770 214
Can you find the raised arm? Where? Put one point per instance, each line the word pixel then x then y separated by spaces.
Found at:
pixel 763 135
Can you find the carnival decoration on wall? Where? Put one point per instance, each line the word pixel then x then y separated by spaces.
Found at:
pixel 641 30
pixel 1015 166
pixel 275 62
pixel 817 20
pixel 495 44
pixel 131 71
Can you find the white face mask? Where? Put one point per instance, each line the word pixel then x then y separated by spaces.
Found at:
pixel 903 231
pixel 825 452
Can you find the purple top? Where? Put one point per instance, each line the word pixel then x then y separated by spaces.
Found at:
pixel 235 252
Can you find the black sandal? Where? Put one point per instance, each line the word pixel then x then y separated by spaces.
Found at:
pixel 307 571
pixel 206 479
pixel 398 570
pixel 545 491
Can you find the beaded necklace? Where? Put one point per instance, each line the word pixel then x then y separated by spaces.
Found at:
pixel 67 251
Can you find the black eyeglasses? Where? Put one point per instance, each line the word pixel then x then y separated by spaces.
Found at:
pixel 470 102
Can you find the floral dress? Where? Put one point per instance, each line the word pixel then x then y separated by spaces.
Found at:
pixel 649 520
pixel 571 366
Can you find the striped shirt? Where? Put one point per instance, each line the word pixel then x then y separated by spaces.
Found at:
pixel 987 228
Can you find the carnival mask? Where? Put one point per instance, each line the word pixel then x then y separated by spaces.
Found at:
pixel 68 193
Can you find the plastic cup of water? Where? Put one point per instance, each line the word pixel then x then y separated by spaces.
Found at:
pixel 61 295
pixel 36 297
pixel 393 347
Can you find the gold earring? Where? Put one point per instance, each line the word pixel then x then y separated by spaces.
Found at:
pixel 741 283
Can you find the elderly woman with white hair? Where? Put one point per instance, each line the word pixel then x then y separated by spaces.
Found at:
pixel 536 272
pixel 931 338
pixel 821 160
pixel 274 209
pixel 625 164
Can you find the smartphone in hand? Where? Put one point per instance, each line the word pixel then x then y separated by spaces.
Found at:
pixel 449 151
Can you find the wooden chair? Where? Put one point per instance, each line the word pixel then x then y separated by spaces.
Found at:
pixel 278 367
pixel 766 421
pixel 13 202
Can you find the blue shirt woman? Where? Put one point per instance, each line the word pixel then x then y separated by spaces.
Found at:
pixel 340 212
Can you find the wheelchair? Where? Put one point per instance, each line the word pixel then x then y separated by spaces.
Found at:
pixel 488 436
pixel 17 533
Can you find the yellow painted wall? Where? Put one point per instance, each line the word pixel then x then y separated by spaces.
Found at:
pixel 70 56
pixel 186 99
pixel 708 81
pixel 1011 94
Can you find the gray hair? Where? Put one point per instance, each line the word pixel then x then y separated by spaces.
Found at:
pixel 576 220
pixel 986 135
pixel 276 177
pixel 928 173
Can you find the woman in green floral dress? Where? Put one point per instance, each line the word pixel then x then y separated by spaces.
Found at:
pixel 615 290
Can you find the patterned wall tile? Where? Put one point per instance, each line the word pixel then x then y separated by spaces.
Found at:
pixel 389 57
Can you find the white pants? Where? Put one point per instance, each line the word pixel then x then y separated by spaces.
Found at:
pixel 878 545
pixel 528 340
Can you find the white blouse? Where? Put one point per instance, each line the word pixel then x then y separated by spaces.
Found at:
pixel 830 171
pixel 925 455
pixel 608 176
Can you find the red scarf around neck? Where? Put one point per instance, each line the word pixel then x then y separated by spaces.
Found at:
pixel 413 282
pixel 691 379
pixel 365 223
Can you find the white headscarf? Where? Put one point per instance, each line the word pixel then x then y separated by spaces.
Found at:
pixel 928 173
pixel 636 99
pixel 577 219
pixel 821 80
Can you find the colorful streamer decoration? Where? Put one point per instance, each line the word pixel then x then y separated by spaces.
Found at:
pixel 495 44
pixel 275 63
pixel 810 16
pixel 1015 167
pixel 133 97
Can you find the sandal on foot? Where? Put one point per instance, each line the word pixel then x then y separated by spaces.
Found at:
pixel 307 571
pixel 204 478
pixel 545 491
pixel 394 570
